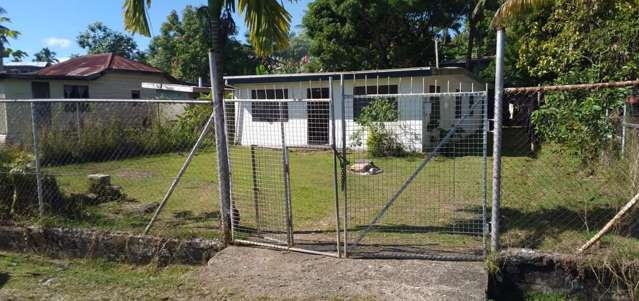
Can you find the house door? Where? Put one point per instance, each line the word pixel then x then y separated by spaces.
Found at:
pixel 43 109
pixel 317 116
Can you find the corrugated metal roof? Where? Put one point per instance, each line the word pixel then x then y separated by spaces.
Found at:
pixel 348 75
pixel 92 65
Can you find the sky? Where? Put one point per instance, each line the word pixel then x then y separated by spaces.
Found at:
pixel 56 23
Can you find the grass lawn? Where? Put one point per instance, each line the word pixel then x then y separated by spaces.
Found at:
pixel 548 202
pixel 32 277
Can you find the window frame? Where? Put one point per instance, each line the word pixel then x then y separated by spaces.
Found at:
pixel 72 92
pixel 263 111
pixel 360 103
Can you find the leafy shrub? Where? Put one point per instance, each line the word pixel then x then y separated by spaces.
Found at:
pixel 380 141
pixel 105 142
pixel 579 121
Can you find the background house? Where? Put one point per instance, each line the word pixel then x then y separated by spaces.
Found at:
pixel 420 123
pixel 99 76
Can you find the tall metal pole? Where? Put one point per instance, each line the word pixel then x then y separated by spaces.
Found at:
pixel 36 154
pixel 499 94
pixel 287 187
pixel 223 166
pixel 623 129
pixel 344 190
pixel 335 181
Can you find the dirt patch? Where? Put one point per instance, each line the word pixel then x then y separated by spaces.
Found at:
pixel 261 273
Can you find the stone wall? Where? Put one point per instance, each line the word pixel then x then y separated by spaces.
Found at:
pixel 523 270
pixel 119 247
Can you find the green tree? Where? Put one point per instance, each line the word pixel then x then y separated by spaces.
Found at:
pixel 182 45
pixel 98 38
pixel 5 34
pixel 268 24
pixel 574 42
pixel 16 55
pixel 295 58
pixel 359 34
pixel 45 55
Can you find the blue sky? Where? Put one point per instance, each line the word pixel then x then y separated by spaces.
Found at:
pixel 56 23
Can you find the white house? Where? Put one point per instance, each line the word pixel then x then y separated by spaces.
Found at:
pixel 99 76
pixel 428 102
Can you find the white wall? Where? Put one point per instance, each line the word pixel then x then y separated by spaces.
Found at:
pixel 112 85
pixel 409 127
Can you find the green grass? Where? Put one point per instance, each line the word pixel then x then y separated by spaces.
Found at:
pixel 548 202
pixel 35 277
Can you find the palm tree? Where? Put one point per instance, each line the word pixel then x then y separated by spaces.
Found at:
pixel 268 24
pixel 512 8
pixel 17 55
pixel 46 55
pixel 5 34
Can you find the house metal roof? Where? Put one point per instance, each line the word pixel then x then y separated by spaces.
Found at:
pixel 383 73
pixel 93 65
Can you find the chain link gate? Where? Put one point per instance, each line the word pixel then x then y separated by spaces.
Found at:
pixel 382 172
pixel 424 193
pixel 283 167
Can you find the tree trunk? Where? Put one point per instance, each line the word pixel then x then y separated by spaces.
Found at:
pixel 472 32
pixel 1 56
pixel 216 63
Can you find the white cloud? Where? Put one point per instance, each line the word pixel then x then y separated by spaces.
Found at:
pixel 64 58
pixel 57 42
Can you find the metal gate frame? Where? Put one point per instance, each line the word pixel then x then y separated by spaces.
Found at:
pixel 485 129
pixel 290 243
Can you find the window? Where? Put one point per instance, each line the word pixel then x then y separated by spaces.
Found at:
pixel 317 93
pixel 435 114
pixel 75 91
pixel 458 106
pixel 269 111
pixel 135 94
pixel 360 103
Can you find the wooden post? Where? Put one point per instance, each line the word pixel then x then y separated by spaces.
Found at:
pixel 609 225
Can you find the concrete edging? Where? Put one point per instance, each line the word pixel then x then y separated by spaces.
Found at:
pixel 112 246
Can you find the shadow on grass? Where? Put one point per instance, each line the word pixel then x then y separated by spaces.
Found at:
pixel 547 223
pixel 4 278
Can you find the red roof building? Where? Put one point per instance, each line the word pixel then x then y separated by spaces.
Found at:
pixel 92 66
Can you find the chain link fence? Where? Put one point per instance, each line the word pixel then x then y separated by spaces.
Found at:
pixel 422 190
pixel 108 164
pixel 569 165
pixel 380 173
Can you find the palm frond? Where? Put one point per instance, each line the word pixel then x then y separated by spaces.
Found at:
pixel 136 18
pixel 513 8
pixel 268 24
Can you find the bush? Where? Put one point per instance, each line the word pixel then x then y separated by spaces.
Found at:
pixel 104 142
pixel 380 141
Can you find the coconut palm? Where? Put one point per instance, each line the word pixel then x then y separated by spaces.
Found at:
pixel 268 25
pixel 5 34
pixel 512 8
pixel 46 55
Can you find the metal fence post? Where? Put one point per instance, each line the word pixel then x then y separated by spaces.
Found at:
pixel 256 191
pixel 287 187
pixel 36 154
pixel 344 175
pixel 335 181
pixel 221 147
pixel 623 129
pixel 499 91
